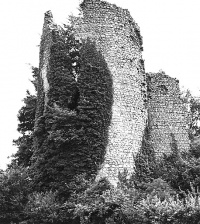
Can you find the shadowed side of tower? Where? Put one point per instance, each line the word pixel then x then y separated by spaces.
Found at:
pixel 117 37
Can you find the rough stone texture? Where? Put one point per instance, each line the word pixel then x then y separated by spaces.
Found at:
pixel 46 42
pixel 74 107
pixel 167 114
pixel 43 85
pixel 115 34
pixel 117 37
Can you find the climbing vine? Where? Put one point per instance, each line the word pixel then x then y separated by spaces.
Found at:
pixel 76 118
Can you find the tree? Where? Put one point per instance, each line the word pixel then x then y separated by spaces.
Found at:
pixel 194 112
pixel 14 191
pixel 26 117
pixel 195 119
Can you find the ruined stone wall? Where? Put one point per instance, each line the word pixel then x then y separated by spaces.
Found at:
pixel 117 37
pixel 43 85
pixel 103 133
pixel 45 49
pixel 73 107
pixel 167 114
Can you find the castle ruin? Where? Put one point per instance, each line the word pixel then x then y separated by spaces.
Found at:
pixel 115 35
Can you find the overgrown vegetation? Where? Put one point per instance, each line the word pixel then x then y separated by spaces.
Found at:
pixel 163 191
pixel 48 181
pixel 75 120
pixel 26 117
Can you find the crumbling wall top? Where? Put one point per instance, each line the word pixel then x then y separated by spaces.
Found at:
pixel 162 83
pixel 103 6
pixel 48 15
pixel 102 15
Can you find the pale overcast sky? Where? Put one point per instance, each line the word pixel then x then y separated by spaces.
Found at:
pixel 171 36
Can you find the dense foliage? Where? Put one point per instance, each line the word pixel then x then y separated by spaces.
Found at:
pixel 26 117
pixel 163 191
pixel 194 112
pixel 14 190
pixel 52 176
pixel 70 133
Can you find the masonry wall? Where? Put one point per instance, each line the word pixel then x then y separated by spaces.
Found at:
pixel 73 108
pixel 167 114
pixel 117 37
pixel 103 132
pixel 43 85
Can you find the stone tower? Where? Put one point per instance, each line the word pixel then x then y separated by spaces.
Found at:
pixel 117 37
pixel 167 114
pixel 103 132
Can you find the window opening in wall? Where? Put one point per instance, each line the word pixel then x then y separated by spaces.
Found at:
pixel 74 99
pixel 163 89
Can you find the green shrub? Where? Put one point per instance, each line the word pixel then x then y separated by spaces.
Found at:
pixel 159 188
pixel 42 208
pixel 98 203
pixel 173 210
pixel 15 186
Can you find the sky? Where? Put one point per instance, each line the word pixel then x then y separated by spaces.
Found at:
pixel 171 37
